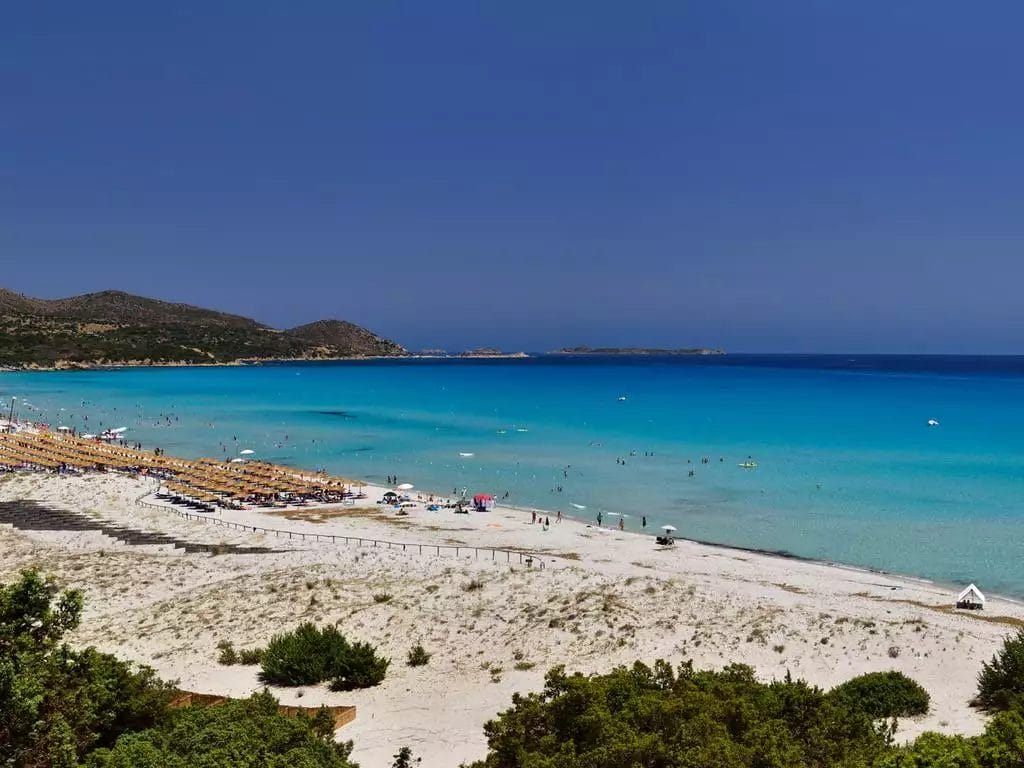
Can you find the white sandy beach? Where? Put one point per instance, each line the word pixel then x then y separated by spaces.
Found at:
pixel 602 598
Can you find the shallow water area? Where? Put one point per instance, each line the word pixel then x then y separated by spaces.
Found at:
pixel 848 468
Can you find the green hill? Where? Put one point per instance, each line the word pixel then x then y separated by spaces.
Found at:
pixel 117 328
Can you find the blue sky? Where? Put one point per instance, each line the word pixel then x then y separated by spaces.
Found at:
pixel 790 176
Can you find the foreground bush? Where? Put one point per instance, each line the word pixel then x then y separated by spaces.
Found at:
pixel 1001 681
pixel 250 733
pixel 1000 746
pixel 305 656
pixel 659 717
pixel 883 694
pixel 309 655
pixel 360 667
pixel 57 703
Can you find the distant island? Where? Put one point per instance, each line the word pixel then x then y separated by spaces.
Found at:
pixel 636 351
pixel 491 352
pixel 113 328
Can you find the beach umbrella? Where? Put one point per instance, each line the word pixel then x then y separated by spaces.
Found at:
pixel 247 452
pixel 668 528
pixel 238 461
pixel 63 429
pixel 405 487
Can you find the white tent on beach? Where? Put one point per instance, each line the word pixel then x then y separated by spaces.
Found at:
pixel 971 598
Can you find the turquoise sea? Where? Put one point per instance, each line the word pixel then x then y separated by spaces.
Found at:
pixel 848 469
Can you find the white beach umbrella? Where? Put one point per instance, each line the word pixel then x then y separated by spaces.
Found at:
pixel 87 437
pixel 63 429
pixel 247 452
pixel 238 461
pixel 668 527
pixel 405 487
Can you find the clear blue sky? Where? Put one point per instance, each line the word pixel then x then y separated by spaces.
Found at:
pixel 761 176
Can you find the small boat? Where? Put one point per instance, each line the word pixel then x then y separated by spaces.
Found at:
pixel 933 422
pixel 502 431
pixel 578 506
pixel 622 398
pixel 466 455
pixel 522 429
pixel 748 465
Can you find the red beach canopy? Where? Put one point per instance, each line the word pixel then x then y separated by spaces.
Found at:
pixel 483 497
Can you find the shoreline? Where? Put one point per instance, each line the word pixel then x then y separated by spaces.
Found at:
pixel 784 556
pixel 246 362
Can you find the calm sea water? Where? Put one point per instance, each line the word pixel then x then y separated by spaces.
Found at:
pixel 848 469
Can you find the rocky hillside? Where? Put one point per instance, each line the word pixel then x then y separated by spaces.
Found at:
pixel 116 328
pixel 345 338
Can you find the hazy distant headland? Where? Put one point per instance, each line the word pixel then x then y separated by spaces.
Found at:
pixel 117 329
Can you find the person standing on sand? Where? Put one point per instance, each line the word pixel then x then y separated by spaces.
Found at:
pixel 622 524
pixel 533 517
pixel 559 518
pixel 598 519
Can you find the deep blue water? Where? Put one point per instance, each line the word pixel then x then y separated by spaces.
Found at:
pixel 848 469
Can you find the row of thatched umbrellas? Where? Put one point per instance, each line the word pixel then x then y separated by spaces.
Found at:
pixel 203 479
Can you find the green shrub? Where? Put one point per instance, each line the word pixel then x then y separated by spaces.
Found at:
pixel 227 656
pixel 360 667
pixel 404 759
pixel 644 716
pixel 305 656
pixel 883 694
pixel 308 655
pixel 249 733
pixel 250 656
pixel 57 703
pixel 1001 681
pixel 418 656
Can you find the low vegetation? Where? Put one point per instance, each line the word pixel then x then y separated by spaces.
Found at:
pixel 63 708
pixel 418 656
pixel 228 656
pixel 249 733
pixel 1001 681
pixel 309 655
pixel 883 694
pixel 683 718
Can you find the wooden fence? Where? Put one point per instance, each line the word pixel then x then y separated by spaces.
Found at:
pixel 341 715
pixel 494 554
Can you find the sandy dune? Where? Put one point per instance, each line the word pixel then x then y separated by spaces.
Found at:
pixel 602 598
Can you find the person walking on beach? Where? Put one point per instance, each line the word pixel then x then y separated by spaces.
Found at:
pixel 558 519
pixel 598 519
pixel 622 524
pixel 533 517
